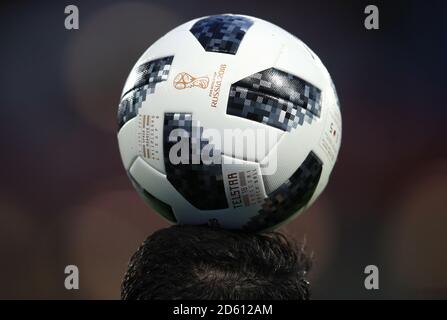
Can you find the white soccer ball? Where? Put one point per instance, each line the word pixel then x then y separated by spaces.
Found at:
pixel 229 120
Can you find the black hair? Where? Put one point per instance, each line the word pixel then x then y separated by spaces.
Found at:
pixel 199 262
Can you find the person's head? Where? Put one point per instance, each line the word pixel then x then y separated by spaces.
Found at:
pixel 198 262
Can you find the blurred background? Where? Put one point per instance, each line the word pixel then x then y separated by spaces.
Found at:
pixel 64 195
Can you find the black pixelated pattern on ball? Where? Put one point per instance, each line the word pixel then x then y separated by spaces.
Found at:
pixel 221 33
pixel 200 184
pixel 147 75
pixel 275 98
pixel 290 197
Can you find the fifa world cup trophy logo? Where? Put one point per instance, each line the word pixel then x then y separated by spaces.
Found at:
pixel 184 80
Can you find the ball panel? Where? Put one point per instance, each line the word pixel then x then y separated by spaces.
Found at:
pixel 161 207
pixel 290 152
pixel 239 144
pixel 243 182
pixel 281 204
pixel 221 33
pixel 275 98
pixel 206 179
pixel 295 59
pixel 328 145
pixel 150 137
pixel 127 143
pixel 150 72
pixel 158 186
pixel 142 82
pixel 244 191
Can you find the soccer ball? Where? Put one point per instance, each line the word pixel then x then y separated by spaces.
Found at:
pixel 229 120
